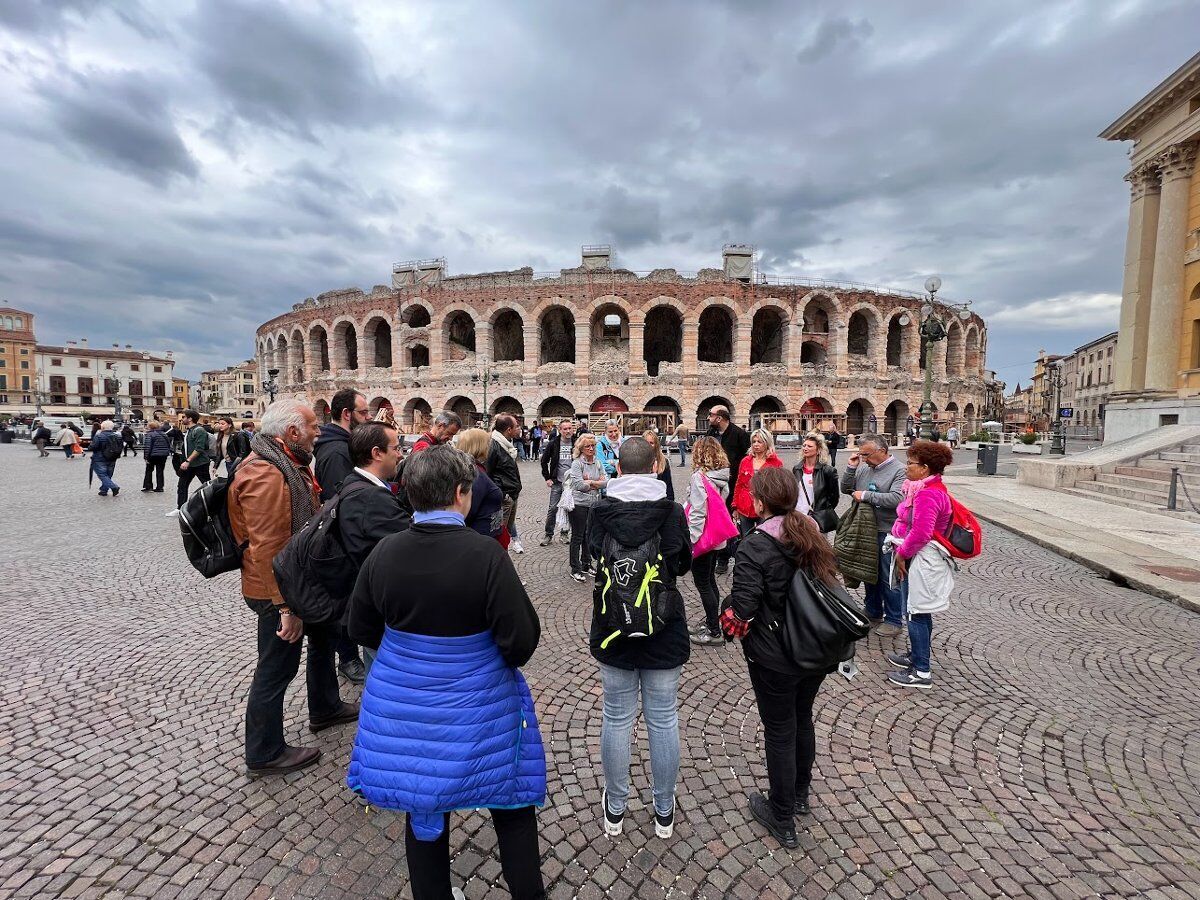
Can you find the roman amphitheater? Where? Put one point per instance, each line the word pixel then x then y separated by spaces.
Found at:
pixel 602 342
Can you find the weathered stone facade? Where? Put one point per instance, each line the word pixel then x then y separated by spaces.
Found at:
pixel 599 340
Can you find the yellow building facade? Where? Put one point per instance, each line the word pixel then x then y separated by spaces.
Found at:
pixel 1157 363
pixel 18 363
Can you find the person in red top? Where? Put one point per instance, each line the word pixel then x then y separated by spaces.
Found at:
pixel 445 426
pixel 761 455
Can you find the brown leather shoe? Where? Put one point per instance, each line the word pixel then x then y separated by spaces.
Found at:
pixel 348 713
pixel 292 759
pixel 888 630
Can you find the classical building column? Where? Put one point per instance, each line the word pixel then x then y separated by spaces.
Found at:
pixel 741 348
pixel 1129 363
pixel 437 341
pixel 1166 295
pixel 691 348
pixel 583 353
pixel 484 353
pixel 637 349
pixel 533 349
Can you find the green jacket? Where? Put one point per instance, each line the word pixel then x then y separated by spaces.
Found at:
pixel 196 442
pixel 856 545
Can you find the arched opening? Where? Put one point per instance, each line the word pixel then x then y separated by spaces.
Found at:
pixel 418 355
pixel 895 419
pixel 295 360
pixel 767 404
pixel 510 406
pixel 464 408
pixel 706 405
pixel 974 360
pixel 951 416
pixel 858 335
pixel 858 417
pixel 954 349
pixel 138 413
pixel 715 335
pixel 318 348
pixel 345 346
pixel 417 414
pixel 609 404
pixel 663 404
pixel 969 418
pixel 817 314
pixel 415 316
pixel 812 353
pixel 556 336
pixel 321 408
pixel 378 335
pixel 609 339
pixel 380 403
pixel 282 363
pixel 812 411
pixel 767 333
pixel 298 375
pixel 662 339
pixel 460 336
pixel 508 336
pixel 268 358
pixel 556 408
pixel 895 341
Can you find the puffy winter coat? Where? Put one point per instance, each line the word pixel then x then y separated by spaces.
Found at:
pixel 856 545
pixel 446 724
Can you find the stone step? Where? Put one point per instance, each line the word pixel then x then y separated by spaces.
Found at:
pixel 1163 475
pixel 1126 489
pixel 1175 456
pixel 1165 465
pixel 1158 506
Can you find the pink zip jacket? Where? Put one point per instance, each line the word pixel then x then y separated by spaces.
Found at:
pixel 930 511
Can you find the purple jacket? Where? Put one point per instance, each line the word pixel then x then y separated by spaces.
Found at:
pixel 924 511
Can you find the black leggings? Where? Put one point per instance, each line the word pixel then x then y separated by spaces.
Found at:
pixel 581 555
pixel 704 574
pixel 785 705
pixel 520 858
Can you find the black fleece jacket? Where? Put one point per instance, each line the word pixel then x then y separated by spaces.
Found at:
pixel 445 581
pixel 632 522
pixel 332 456
pixel 502 469
pixel 368 515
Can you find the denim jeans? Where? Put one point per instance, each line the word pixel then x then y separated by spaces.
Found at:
pixel 704 575
pixel 682 448
pixel 659 689
pixel 920 636
pixel 278 663
pixel 104 471
pixel 883 601
pixel 552 511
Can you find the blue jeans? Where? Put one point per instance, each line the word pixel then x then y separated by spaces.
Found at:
pixel 920 636
pixel 104 471
pixel 882 600
pixel 659 690
pixel 682 448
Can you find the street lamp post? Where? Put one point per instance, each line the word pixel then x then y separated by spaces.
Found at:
pixel 270 384
pixel 488 377
pixel 1058 444
pixel 932 330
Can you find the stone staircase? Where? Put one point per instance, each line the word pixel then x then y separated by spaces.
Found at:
pixel 1144 483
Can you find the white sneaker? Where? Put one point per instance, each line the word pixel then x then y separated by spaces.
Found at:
pixel 516 547
pixel 172 514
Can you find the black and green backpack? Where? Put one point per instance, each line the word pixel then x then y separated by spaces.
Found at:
pixel 629 589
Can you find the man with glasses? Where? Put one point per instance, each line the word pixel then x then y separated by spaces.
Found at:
pixel 873 476
pixel 347 411
pixel 735 441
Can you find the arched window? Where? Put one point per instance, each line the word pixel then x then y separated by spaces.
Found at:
pixel 715 335
pixel 767 336
pixel 508 336
pixel 858 335
pixel 662 340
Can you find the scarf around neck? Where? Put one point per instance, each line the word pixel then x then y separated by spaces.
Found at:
pixel 505 443
pixel 293 465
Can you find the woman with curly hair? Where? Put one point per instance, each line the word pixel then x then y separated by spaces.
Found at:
pixel 923 566
pixel 710 467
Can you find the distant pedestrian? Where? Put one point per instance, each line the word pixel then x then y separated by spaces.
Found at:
pixel 273 497
pixel 736 443
pixel 106 450
pixel 196 459
pixel 556 462
pixel 952 436
pixel 129 440
pixel 535 441
pixel 156 451
pixel 586 479
pixel 41 438
pixel 176 437
pixel 237 446
pixel 706 511
pixel 923 566
pixel 486 514
pixel 449 723
pixel 607 446
pixel 834 441
pixel 502 468
pixel 681 442
pixel 66 438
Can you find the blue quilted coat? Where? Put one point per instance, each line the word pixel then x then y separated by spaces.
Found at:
pixel 446 724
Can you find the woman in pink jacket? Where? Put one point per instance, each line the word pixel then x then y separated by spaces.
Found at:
pixel 924 567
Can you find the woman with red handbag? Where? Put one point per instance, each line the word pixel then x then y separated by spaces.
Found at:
pixel 710 527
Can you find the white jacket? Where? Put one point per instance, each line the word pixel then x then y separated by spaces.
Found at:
pixel 930 576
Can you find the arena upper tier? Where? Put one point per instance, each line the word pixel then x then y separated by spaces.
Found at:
pixel 603 341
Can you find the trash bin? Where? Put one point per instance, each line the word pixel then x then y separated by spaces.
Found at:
pixel 6 436
pixel 989 455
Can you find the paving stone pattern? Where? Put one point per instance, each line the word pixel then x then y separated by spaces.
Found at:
pixel 1057 756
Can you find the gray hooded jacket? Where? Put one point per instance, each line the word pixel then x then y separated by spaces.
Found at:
pixel 697 499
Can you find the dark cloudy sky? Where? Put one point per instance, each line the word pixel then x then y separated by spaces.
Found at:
pixel 173 174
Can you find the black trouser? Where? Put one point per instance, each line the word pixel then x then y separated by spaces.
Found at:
pixel 729 551
pixel 704 574
pixel 194 470
pixel 278 663
pixel 347 650
pixel 785 705
pixel 520 857
pixel 581 554
pixel 176 459
pixel 154 467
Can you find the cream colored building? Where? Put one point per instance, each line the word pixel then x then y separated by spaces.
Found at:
pixel 1156 365
pixel 84 381
pixel 231 391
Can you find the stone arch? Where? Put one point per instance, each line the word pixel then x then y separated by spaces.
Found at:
pixel 418 355
pixel 608 403
pixel 664 404
pixel 345 344
pixel 321 409
pixel 556 335
pixel 464 408
pixel 458 336
pixel 268 355
pixel 858 416
pixel 813 353
pixel 415 314
pixel 296 356
pixel 715 330
pixel 974 360
pixel 768 336
pixel 954 348
pixel 708 403
pixel 768 404
pixel 377 340
pixel 899 339
pixel 662 340
pixel 417 413
pixel 555 407
pixel 608 334
pixel 508 335
pixel 895 419
pixel 821 312
pixel 969 422
pixel 507 406
pixel 318 348
pixel 379 403
pixel 862 333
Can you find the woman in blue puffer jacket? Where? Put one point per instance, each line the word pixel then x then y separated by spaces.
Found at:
pixel 447 721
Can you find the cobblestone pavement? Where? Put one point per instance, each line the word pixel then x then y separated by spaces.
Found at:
pixel 1057 756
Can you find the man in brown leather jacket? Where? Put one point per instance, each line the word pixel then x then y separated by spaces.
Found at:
pixel 271 497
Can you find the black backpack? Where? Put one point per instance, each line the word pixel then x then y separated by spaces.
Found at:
pixel 629 589
pixel 111 448
pixel 314 572
pixel 208 539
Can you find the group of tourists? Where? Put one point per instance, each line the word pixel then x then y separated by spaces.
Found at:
pixel 447 722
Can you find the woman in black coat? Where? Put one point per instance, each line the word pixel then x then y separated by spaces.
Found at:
pixel 817 484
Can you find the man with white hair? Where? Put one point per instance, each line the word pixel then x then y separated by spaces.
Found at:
pixel 273 497
pixel 106 450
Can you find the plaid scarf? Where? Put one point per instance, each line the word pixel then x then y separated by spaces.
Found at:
pixel 294 467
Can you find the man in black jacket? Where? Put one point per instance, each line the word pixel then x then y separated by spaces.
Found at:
pixel 502 469
pixel 556 463
pixel 635 509
pixel 736 444
pixel 331 455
